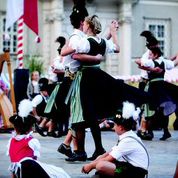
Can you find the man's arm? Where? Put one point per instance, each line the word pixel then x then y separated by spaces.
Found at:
pixel 114 24
pixel 66 50
pixel 155 69
pixel 88 58
pixel 113 30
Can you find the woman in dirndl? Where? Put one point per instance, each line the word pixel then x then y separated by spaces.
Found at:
pixel 164 95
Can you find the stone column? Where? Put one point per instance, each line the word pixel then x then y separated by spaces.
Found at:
pixel 56 27
pixel 125 19
pixel 53 20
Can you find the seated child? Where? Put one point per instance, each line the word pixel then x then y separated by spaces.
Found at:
pixel 23 149
pixel 39 103
pixel 129 157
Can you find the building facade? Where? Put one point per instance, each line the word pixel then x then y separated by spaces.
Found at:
pixel 134 16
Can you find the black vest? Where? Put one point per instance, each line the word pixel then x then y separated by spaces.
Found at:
pixel 41 107
pixel 97 48
pixel 153 75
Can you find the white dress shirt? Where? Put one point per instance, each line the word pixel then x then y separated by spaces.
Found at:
pixel 131 150
pixel 74 40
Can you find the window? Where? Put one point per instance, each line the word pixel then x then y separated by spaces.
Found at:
pixel 12 43
pixel 161 29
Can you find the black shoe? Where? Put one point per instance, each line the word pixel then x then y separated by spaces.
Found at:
pixel 96 154
pixel 40 130
pixel 64 149
pixel 144 135
pixel 165 136
pixel 80 156
pixel 52 134
pixel 151 133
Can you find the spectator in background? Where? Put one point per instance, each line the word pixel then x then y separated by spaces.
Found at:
pixel 39 104
pixel 56 70
pixel 33 87
pixel 56 111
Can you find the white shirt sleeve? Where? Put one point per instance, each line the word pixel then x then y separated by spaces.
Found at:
pixel 145 61
pixel 37 100
pixel 83 46
pixel 168 64
pixel 148 63
pixel 125 147
pixel 34 144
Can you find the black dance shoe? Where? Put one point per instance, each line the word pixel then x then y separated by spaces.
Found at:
pixel 52 134
pixel 40 130
pixel 66 150
pixel 165 136
pixel 79 156
pixel 144 135
pixel 96 154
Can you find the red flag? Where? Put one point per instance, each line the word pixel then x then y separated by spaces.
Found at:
pixel 31 14
pixel 26 8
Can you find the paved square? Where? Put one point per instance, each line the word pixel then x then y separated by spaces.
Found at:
pixel 163 154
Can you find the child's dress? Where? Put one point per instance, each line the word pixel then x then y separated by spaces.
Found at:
pixel 23 151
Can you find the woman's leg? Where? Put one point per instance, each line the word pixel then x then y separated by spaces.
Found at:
pixel 165 122
pixel 65 148
pixel 96 133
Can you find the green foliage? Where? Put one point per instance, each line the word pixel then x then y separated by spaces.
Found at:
pixel 34 63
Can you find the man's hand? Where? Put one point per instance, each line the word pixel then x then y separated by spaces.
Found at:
pixel 156 69
pixel 138 61
pixel 99 57
pixel 86 168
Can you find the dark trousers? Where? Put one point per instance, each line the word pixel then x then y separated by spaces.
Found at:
pixel 127 170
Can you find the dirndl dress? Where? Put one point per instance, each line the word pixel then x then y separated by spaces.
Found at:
pixel 162 94
pixel 97 95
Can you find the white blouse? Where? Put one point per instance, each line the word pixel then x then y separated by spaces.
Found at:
pixel 38 99
pixel 149 63
pixel 84 45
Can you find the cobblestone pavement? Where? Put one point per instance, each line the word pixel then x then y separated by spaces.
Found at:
pixel 163 154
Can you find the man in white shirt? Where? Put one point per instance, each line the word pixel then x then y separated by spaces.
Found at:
pixel 129 158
